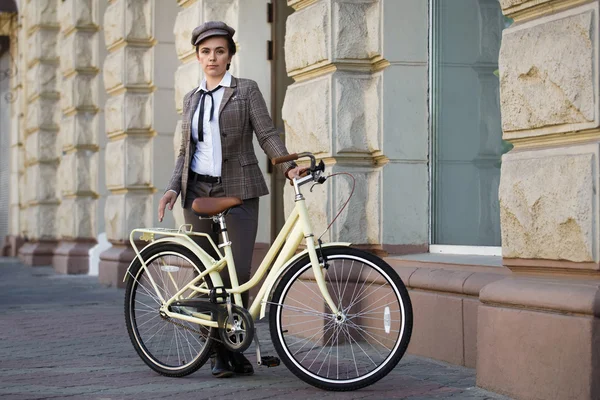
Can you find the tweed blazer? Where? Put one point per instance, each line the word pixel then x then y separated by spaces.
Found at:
pixel 242 111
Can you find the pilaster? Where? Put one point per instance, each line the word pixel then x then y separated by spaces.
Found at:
pixel 41 130
pixel 548 208
pixel 78 170
pixel 11 26
pixel 333 51
pixel 129 32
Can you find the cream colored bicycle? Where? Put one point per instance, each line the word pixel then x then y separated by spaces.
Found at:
pixel 340 318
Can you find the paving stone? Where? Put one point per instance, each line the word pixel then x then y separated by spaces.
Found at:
pixel 64 337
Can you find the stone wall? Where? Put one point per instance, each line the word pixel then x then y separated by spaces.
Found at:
pixel 539 330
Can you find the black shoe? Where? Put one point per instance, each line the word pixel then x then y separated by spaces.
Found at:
pixel 219 364
pixel 241 365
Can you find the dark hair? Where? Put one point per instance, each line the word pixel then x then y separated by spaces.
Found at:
pixel 231 47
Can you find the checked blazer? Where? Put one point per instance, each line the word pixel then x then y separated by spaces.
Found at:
pixel 242 111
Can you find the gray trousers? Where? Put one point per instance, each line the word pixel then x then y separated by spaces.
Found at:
pixel 242 224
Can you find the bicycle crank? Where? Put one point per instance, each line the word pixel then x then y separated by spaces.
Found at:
pixel 236 329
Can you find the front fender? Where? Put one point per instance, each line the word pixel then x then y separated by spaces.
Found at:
pixel 183 241
pixel 272 281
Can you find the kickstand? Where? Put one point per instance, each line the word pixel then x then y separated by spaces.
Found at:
pixel 258 359
pixel 269 361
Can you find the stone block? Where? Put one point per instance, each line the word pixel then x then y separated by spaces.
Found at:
pixel 187 77
pixel 222 10
pixel 129 66
pixel 42 80
pixel 77 14
pixel 527 354
pixel 41 13
pixel 113 265
pixel 76 218
pixel 79 130
pixel 78 51
pixel 128 111
pixel 548 72
pixel 43 113
pixel 79 174
pixel 41 182
pixel 187 19
pixel 129 163
pixel 363 209
pixel 358 113
pixel 307 38
pixel 356 29
pixel 42 221
pixel 79 91
pixel 72 257
pixel 307 115
pixel 41 146
pixel 470 309
pixel 42 45
pixel 38 253
pixel 437 327
pixel 129 20
pixel 548 204
pixel 124 212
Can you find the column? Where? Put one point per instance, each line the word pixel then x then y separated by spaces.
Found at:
pixel 539 330
pixel 334 110
pixel 41 130
pixel 79 103
pixel 9 26
pixel 128 80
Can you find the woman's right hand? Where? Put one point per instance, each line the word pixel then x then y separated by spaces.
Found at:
pixel 169 199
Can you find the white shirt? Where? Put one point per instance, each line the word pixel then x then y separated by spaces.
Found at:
pixel 208 156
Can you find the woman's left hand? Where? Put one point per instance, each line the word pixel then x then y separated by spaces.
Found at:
pixel 295 172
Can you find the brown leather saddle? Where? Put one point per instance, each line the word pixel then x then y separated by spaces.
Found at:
pixel 211 206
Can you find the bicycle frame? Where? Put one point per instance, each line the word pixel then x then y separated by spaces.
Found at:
pixel 296 227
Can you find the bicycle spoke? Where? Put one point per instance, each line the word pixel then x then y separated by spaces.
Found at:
pixel 341 351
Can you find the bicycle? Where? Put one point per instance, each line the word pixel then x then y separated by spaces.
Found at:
pixel 339 318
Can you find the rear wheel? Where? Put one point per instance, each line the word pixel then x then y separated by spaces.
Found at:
pixel 354 348
pixel 171 347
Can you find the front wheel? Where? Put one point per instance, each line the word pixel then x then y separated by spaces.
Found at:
pixel 359 345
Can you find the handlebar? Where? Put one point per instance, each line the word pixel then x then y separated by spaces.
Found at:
pixel 282 159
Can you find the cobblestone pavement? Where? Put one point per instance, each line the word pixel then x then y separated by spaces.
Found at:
pixel 65 337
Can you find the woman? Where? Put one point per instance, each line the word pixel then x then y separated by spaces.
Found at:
pixel 217 158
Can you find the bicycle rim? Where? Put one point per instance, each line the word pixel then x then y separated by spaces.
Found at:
pixel 169 346
pixel 356 348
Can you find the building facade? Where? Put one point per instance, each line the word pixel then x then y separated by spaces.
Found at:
pixel 470 126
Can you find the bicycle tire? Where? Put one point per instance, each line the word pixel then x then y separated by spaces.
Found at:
pixel 139 313
pixel 297 298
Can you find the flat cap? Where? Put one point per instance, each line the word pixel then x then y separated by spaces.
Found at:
pixel 211 28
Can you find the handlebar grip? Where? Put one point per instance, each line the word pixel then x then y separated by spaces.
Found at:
pixel 282 159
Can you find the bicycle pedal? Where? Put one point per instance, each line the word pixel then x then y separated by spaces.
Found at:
pixel 270 361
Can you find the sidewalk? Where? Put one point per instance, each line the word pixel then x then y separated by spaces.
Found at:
pixel 65 337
